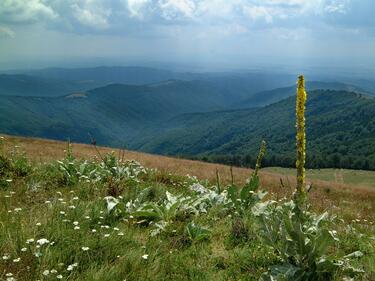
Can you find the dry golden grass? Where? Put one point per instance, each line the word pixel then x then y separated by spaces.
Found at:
pixel 351 201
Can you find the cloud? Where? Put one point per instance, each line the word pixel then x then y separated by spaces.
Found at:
pixel 92 14
pixel 175 8
pixel 6 32
pixel 19 11
pixel 135 7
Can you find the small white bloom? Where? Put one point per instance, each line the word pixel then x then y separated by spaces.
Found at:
pixel 42 241
pixel 53 271
pixel 120 234
pixel 31 240
pixel 107 235
pixel 17 260
pixel 145 257
pixel 93 230
pixel 23 249
pixel 75 198
pixel 87 217
pixel 59 276
pixel 38 224
pixel 47 202
pixel 76 223
pixel 76 228
pixel 5 257
pixel 46 272
pixel 72 266
pixel 85 249
pixel 62 213
pixel 72 207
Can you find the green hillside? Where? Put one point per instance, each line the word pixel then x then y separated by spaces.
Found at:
pixel 271 96
pixel 113 114
pixel 340 127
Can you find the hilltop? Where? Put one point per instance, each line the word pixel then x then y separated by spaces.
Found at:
pixel 340 129
pixel 77 213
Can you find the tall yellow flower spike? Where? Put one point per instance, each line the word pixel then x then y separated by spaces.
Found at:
pixel 262 151
pixel 300 194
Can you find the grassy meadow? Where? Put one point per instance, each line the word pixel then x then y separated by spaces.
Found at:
pixel 93 216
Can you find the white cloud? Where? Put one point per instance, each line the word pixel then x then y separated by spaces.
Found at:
pixel 19 11
pixel 174 8
pixel 91 13
pixel 136 6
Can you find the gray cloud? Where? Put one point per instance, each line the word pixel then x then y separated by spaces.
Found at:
pixel 214 30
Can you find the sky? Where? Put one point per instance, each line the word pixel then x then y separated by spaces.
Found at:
pixel 213 33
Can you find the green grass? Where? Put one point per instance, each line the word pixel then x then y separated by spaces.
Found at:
pixel 88 242
pixel 345 176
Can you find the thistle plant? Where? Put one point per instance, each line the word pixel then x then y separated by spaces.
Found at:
pixel 300 194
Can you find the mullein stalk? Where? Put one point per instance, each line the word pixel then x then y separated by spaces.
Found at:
pixel 258 164
pixel 300 194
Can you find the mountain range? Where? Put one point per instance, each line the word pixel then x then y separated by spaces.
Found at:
pixel 219 117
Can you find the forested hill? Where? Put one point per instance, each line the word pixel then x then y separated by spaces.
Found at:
pixel 340 132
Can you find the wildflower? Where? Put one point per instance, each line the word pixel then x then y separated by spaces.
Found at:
pixel 53 271
pixel 59 276
pixel 47 202
pixel 75 222
pixel 262 151
pixel 23 249
pixel 72 266
pixel 38 224
pixel 42 241
pixel 87 217
pixel 5 257
pixel 85 249
pixel 107 235
pixel 76 228
pixel 31 240
pixel 300 194
pixel 17 260
pixel 120 234
pixel 72 207
pixel 75 198
pixel 145 257
pixel 17 210
pixel 46 272
pixel 93 230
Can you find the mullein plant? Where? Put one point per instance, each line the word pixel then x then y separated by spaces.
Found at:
pixel 300 195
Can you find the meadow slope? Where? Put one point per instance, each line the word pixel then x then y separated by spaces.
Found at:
pixel 84 213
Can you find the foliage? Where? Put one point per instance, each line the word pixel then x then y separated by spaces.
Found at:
pixel 197 233
pixel 301 240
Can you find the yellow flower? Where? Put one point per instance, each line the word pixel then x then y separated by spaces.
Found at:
pixel 262 151
pixel 300 194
